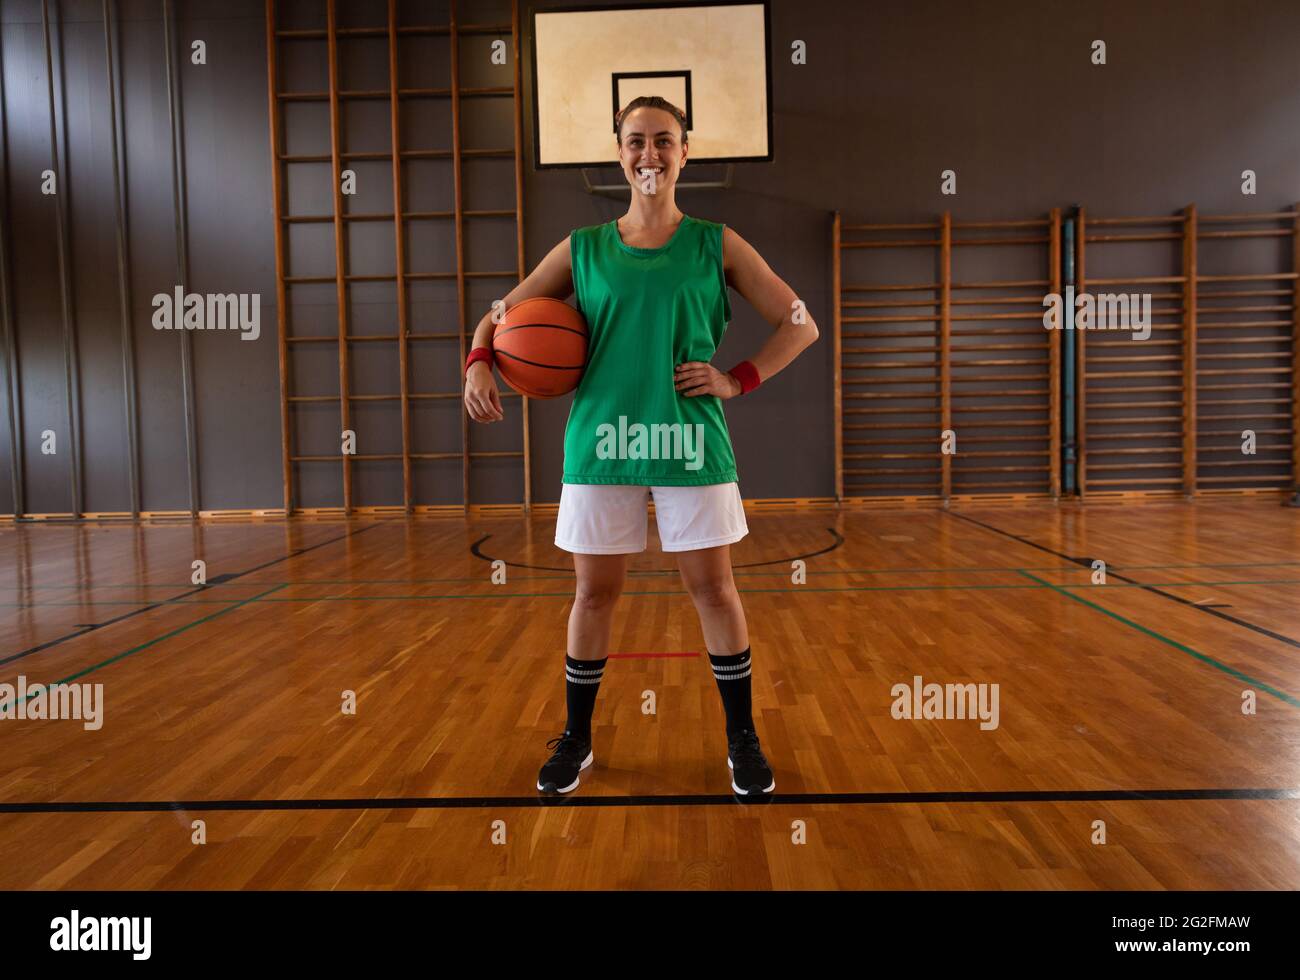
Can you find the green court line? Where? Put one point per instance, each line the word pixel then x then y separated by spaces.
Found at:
pixel 158 639
pixel 1147 585
pixel 1217 665
pixel 543 595
pixel 567 594
pixel 126 602
pixel 1039 584
pixel 1233 564
pixel 528 578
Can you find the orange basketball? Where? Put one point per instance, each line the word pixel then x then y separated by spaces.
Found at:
pixel 540 347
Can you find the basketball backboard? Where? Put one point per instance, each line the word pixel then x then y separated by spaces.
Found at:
pixel 708 59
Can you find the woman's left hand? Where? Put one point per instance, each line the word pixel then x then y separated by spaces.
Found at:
pixel 695 378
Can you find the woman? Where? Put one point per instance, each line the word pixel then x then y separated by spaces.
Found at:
pixel 653 288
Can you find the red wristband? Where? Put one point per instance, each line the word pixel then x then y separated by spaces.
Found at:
pixel 747 375
pixel 479 354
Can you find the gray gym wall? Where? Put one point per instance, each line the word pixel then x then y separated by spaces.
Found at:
pixel 894 92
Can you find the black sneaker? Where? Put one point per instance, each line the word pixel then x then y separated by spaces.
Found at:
pixel 750 773
pixel 572 755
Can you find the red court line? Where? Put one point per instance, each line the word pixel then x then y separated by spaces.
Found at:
pixel 651 656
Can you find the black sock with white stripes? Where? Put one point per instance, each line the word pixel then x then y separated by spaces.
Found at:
pixel 582 681
pixel 732 673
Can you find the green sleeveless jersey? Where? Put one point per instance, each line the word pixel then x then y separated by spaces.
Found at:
pixel 648 310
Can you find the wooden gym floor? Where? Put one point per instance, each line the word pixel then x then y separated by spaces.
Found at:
pixel 1119 703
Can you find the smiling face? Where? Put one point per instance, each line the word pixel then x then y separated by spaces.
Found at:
pixel 651 141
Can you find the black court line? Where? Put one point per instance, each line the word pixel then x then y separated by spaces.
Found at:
pixel 1087 563
pixel 838 540
pixel 804 799
pixel 219 580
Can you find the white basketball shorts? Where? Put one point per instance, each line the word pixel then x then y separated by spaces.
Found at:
pixel 610 519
